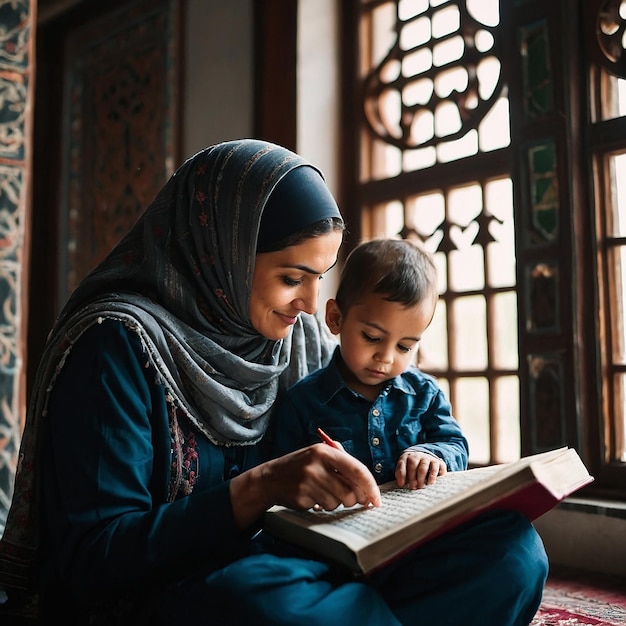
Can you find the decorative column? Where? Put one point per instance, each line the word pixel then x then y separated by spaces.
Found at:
pixel 17 18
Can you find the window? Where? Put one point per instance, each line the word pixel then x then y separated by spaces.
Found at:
pixel 607 140
pixel 467 125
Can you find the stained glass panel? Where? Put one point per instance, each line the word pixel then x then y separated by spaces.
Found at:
pixel 544 198
pixel 543 306
pixel 536 70
pixel 546 389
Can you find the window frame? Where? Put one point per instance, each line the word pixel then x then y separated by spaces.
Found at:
pixel 576 251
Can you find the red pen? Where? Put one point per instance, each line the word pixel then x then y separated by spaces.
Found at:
pixel 326 439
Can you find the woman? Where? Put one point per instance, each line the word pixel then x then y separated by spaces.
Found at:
pixel 141 488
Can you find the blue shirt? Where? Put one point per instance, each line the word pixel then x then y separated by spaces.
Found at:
pixel 410 412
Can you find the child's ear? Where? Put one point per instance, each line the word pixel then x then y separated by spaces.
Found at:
pixel 333 316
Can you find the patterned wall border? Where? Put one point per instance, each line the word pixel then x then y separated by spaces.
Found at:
pixel 16 59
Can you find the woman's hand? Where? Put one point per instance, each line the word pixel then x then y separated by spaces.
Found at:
pixel 317 475
pixel 416 469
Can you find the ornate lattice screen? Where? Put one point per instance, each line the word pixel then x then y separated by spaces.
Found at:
pixel 434 165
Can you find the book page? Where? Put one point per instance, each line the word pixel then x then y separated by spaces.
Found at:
pixel 562 475
pixel 398 505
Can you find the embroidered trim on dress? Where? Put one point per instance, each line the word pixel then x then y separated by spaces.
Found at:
pixel 184 457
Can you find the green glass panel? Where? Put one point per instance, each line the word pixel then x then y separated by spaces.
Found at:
pixel 543 192
pixel 537 79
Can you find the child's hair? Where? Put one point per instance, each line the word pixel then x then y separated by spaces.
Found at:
pixel 398 269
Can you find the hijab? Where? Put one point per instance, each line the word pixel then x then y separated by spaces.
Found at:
pixel 181 279
pixel 183 276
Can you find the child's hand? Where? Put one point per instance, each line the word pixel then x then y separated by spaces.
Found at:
pixel 416 469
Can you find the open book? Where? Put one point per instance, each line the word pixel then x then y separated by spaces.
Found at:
pixel 365 538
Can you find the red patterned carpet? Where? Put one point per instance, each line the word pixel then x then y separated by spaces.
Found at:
pixel 574 600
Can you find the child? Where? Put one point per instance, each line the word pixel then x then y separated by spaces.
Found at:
pixel 370 398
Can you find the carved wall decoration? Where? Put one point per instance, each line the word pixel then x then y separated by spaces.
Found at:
pixel 16 57
pixel 120 129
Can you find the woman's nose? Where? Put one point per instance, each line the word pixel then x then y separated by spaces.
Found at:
pixel 307 301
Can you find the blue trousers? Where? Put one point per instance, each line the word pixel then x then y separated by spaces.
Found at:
pixel 489 572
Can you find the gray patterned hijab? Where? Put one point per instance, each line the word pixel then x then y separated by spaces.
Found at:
pixel 182 278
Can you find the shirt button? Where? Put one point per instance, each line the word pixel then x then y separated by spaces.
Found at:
pixel 378 468
pixel 375 412
pixel 375 441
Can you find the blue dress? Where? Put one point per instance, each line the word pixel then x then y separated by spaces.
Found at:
pixel 135 533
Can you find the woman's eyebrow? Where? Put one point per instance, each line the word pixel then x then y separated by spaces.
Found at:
pixel 307 269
